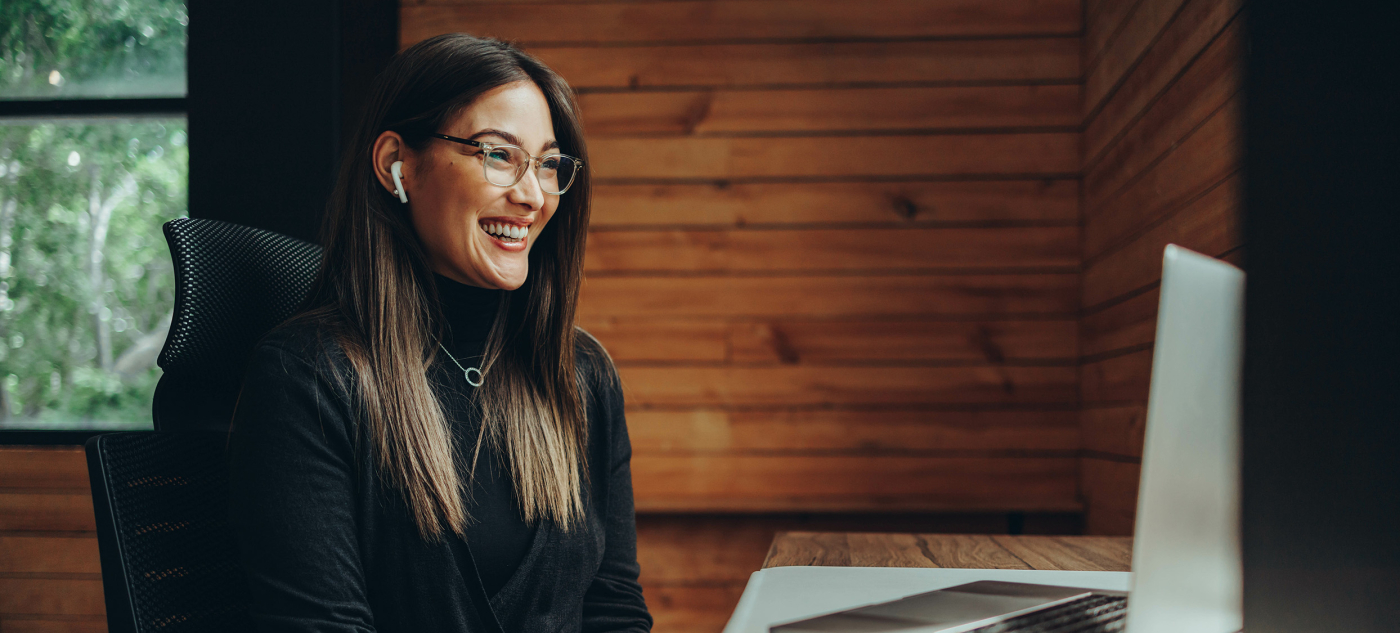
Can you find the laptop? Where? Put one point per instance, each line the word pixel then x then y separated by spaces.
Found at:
pixel 1187 574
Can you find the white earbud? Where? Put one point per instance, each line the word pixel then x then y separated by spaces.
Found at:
pixel 397 170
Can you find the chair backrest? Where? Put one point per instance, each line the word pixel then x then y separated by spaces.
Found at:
pixel 169 562
pixel 233 284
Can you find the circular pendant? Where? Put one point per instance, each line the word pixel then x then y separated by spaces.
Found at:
pixel 468 375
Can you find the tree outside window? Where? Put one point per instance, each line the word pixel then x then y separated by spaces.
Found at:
pixel 86 286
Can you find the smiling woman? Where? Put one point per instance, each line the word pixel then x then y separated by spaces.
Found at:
pixel 379 486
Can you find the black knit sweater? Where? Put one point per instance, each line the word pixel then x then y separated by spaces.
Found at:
pixel 329 547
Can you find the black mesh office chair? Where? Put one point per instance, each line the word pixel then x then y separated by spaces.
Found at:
pixel 169 563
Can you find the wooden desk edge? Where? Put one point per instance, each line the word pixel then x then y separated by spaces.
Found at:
pixel 968 551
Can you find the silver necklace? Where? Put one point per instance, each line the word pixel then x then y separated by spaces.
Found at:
pixel 466 371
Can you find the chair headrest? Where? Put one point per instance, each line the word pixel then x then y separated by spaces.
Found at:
pixel 233 284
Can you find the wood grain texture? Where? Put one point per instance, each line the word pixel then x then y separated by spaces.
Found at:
pixel 43 468
pixel 1118 379
pixel 791 341
pixel 1103 22
pixel 963 551
pixel 1196 166
pixel 822 157
pixel 1199 22
pixel 853 483
pixel 1039 60
pixel 49 555
pixel 1205 86
pixel 705 112
pixel 1115 430
pixel 1209 225
pixel 53 624
pixel 799 385
pixel 730 20
pixel 1130 322
pixel 51 596
pixel 1139 30
pixel 1110 495
pixel 724 203
pixel 831 296
pixel 46 512
pixel 834 250
pixel 853 431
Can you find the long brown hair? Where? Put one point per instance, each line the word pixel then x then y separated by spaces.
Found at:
pixel 376 296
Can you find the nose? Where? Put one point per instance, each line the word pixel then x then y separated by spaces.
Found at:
pixel 527 192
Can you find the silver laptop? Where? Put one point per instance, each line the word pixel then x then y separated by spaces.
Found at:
pixel 1187 574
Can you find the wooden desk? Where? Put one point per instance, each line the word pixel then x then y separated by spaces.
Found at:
pixel 969 551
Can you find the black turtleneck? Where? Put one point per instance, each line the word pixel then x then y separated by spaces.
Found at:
pixel 497 535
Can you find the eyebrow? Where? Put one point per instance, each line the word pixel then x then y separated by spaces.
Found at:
pixel 510 138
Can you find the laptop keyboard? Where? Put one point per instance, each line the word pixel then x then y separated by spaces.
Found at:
pixel 1091 614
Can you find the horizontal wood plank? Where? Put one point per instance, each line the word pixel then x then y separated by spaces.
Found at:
pixel 826 110
pixel 796 341
pixel 47 512
pixel 1115 430
pixel 876 203
pixel 849 385
pixel 49 555
pixel 701 550
pixel 729 20
pixel 1206 86
pixel 1042 60
pixel 852 483
pixel 1110 496
pixel 47 596
pixel 1209 225
pixel 53 624
pixel 1120 379
pixel 46 468
pixel 1200 163
pixel 1128 323
pixel 858 430
pixel 827 341
pixel 831 296
pixel 1199 22
pixel 833 250
pixel 1070 553
pixel 844 157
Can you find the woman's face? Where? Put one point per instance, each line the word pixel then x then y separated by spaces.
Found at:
pixel 460 217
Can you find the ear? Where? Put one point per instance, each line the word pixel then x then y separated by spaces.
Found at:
pixel 388 148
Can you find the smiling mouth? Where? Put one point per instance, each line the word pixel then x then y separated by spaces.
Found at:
pixel 508 233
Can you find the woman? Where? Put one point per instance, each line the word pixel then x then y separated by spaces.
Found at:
pixel 430 445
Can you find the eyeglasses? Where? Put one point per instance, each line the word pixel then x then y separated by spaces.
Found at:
pixel 505 165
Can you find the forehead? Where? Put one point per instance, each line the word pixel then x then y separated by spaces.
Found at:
pixel 519 109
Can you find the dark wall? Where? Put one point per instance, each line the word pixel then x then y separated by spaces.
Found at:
pixel 1322 372
pixel 272 86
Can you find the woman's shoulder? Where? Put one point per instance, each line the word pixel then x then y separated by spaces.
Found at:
pixel 299 346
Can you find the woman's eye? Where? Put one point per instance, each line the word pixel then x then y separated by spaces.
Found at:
pixel 498 156
pixel 550 163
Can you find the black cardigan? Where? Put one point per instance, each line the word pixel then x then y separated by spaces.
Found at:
pixel 328 547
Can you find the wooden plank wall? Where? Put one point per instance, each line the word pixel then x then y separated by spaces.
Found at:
pixel 50 578
pixel 835 255
pixel 1161 165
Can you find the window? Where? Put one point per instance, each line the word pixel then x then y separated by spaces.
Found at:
pixel 93 160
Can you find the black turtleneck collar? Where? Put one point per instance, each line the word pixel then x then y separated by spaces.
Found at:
pixel 469 312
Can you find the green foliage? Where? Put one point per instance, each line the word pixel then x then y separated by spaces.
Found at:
pixel 97 47
pixel 65 284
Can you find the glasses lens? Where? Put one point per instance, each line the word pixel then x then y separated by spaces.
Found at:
pixel 557 173
pixel 503 165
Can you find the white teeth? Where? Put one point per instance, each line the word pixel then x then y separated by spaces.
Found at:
pixel 506 231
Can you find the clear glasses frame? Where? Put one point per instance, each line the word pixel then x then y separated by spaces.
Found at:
pixel 533 161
